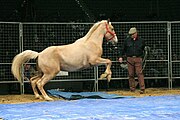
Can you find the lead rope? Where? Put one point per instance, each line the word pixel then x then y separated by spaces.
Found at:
pixel 144 61
pixel 147 48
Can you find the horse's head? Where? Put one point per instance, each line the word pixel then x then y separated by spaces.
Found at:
pixel 110 34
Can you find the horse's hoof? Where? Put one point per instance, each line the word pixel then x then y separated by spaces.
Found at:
pixel 109 78
pixel 48 99
pixel 103 76
pixel 38 97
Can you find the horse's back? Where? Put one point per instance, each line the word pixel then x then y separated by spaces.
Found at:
pixel 66 57
pixel 70 57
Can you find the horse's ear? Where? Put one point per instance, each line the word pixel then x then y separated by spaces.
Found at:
pixel 108 20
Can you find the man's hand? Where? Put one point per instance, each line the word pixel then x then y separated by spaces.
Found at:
pixel 120 59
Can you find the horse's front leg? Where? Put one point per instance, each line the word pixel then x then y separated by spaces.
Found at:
pixel 107 74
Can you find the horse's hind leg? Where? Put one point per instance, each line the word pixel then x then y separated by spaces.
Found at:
pixel 33 81
pixel 40 84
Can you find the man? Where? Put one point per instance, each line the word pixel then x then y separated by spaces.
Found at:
pixel 133 48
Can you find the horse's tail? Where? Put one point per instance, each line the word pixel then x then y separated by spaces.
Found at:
pixel 20 59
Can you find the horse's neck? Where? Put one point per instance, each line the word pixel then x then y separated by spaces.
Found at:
pixel 80 39
pixel 97 36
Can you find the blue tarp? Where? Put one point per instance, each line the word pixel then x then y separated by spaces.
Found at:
pixel 82 95
pixel 145 108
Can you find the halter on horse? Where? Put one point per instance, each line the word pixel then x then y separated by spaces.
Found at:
pixel 83 53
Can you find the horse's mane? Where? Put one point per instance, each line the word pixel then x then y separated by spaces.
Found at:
pixel 93 28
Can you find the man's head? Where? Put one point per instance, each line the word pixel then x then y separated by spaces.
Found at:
pixel 133 32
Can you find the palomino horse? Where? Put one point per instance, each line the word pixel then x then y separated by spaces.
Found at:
pixel 83 53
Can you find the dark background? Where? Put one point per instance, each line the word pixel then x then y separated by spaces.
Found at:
pixel 89 10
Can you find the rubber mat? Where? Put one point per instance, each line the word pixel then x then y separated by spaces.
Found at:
pixel 145 108
pixel 82 95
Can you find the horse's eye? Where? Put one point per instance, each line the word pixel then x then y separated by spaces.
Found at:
pixel 112 29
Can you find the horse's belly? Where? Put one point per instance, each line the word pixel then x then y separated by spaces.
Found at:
pixel 72 68
pixel 76 62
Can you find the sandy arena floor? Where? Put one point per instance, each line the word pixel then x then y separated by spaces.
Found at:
pixel 26 98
